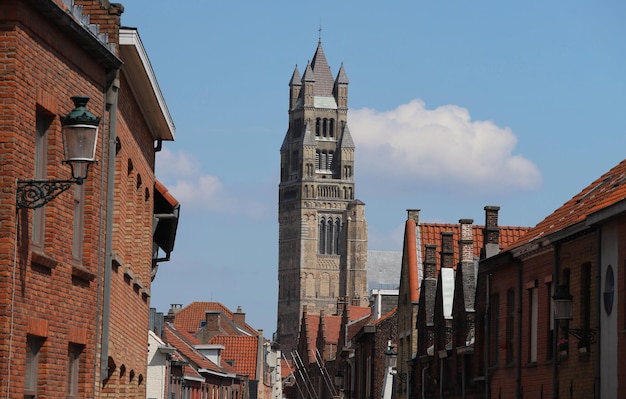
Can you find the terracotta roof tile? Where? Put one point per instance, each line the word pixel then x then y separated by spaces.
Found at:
pixel 355 327
pixel 332 325
pixel 386 316
pixel 174 338
pixel 241 350
pixel 430 233
pixel 607 190
pixel 359 312
pixel 191 317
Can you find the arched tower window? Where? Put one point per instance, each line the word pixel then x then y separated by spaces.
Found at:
pixel 337 230
pixel 321 240
pixel 332 128
pixel 317 127
pixel 329 236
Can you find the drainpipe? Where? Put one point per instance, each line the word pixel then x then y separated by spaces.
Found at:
pixel 111 98
pixel 518 371
pixel 555 284
pixel 423 379
pixel 597 368
pixel 487 330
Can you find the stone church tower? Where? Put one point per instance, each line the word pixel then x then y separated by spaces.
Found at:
pixel 322 240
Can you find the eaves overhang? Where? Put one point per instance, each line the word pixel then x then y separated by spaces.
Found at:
pixel 217 373
pixel 544 243
pixel 606 213
pixel 76 24
pixel 144 85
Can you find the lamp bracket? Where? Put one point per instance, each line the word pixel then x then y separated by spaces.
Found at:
pixel 34 194
pixel 584 334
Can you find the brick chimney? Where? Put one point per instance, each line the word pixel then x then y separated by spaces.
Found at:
pixel 212 318
pixel 491 233
pixel 447 249
pixel 430 261
pixel 466 243
pixel 239 317
pixel 466 270
pixel 413 214
pixel 171 314
pixel 341 305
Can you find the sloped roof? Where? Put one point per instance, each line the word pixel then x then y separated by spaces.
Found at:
pixel 607 190
pixel 190 317
pixel 242 350
pixel 355 326
pixel 386 316
pixel 358 312
pixel 430 233
pixel 324 81
pixel 174 338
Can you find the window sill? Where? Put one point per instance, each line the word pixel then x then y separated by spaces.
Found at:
pixel 82 273
pixel 41 260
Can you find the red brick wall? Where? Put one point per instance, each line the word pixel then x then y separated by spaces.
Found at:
pixel 41 295
pixel 40 292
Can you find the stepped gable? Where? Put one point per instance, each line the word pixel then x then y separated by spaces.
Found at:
pixel 607 190
pixel 241 350
pixel 312 322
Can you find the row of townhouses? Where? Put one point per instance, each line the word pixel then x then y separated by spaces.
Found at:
pixel 486 311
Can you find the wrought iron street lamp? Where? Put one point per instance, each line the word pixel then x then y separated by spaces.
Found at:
pixel 80 135
pixel 562 300
pixel 391 358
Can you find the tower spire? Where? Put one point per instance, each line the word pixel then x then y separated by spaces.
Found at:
pixel 319 33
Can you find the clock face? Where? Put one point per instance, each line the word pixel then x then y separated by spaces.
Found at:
pixel 609 289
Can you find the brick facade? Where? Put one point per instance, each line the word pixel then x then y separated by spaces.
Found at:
pixel 50 295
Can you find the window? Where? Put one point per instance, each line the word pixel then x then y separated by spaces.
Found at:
pixel 41 164
pixel 532 325
pixel 328 235
pixel 73 369
pixel 510 326
pixel 31 366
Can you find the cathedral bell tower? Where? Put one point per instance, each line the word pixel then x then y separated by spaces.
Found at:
pixel 322 244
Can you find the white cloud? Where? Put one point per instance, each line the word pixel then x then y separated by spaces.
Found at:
pixel 184 178
pixel 413 144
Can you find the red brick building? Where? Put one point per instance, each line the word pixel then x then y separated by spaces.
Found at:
pixel 436 316
pixel 76 272
pixel 580 249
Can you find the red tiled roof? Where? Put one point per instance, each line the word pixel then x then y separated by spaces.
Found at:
pixel 312 325
pixel 607 190
pixel 166 194
pixel 241 350
pixel 430 233
pixel 190 317
pixel 174 338
pixel 356 326
pixel 286 368
pixel 386 316
pixel 332 326
pixel 358 312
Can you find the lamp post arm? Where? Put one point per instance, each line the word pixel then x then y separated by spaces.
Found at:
pixel 34 194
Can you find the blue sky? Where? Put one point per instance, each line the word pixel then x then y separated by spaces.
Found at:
pixel 454 105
